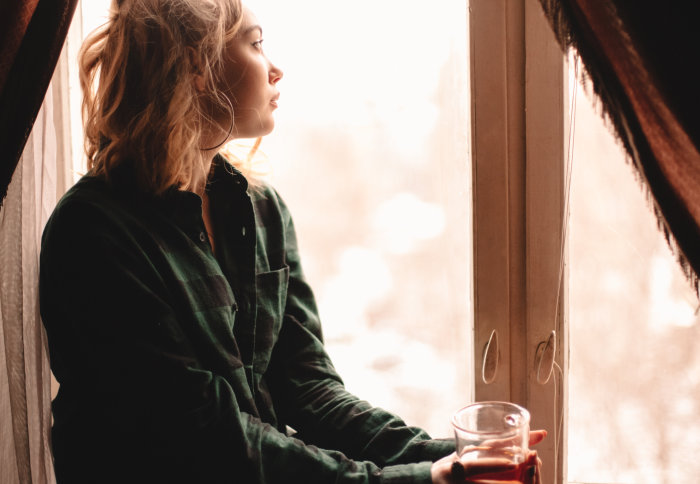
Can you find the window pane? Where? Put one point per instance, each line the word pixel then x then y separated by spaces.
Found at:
pixel 371 153
pixel 634 332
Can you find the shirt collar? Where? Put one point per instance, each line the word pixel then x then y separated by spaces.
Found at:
pixel 226 182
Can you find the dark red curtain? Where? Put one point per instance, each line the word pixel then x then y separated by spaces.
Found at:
pixel 31 37
pixel 641 57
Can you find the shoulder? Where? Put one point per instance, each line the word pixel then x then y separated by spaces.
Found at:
pixel 268 204
pixel 262 191
pixel 78 226
pixel 88 189
pixel 92 211
pixel 83 205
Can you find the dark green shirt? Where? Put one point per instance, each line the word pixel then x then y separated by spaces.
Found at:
pixel 177 365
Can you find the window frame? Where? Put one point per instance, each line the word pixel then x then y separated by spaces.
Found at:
pixel 518 79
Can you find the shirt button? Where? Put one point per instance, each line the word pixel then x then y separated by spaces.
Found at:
pixel 243 231
pixel 202 236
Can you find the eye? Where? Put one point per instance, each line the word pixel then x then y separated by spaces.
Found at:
pixel 258 44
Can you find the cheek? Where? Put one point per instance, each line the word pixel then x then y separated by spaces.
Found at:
pixel 235 79
pixel 243 94
pixel 251 88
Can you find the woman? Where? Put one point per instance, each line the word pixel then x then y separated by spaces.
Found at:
pixel 183 334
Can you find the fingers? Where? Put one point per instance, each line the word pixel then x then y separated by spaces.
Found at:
pixel 488 466
pixel 537 436
pixel 490 481
pixel 461 471
pixel 533 468
pixel 530 476
pixel 457 471
pixel 531 458
pixel 484 470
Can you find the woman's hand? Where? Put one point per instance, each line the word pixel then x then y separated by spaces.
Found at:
pixel 533 465
pixel 450 470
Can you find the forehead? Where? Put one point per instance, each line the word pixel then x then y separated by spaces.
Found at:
pixel 249 21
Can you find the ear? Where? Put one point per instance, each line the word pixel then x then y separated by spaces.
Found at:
pixel 196 67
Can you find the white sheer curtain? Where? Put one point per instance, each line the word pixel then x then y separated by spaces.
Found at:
pixel 25 377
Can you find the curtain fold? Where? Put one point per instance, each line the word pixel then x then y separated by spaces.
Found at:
pixel 25 376
pixel 31 35
pixel 640 59
pixel 14 20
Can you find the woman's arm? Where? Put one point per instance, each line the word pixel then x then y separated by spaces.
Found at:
pixel 136 403
pixel 311 397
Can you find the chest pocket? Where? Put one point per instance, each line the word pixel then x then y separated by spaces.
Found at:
pixel 271 288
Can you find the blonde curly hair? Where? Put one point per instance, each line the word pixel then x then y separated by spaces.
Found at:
pixel 140 102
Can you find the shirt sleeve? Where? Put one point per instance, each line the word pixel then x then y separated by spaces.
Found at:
pixel 149 410
pixel 312 398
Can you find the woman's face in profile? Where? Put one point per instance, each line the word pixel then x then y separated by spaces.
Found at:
pixel 250 81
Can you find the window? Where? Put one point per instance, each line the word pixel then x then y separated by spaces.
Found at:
pixel 635 332
pixel 519 133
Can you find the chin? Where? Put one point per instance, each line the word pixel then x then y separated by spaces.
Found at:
pixel 261 129
pixel 266 128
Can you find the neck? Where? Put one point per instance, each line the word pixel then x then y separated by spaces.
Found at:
pixel 212 137
pixel 199 185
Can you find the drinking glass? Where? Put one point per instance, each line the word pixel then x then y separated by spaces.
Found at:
pixel 492 439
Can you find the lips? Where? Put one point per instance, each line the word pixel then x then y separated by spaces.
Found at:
pixel 274 100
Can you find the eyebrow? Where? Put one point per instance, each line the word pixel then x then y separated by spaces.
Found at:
pixel 251 28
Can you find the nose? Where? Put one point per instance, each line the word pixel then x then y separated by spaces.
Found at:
pixel 275 73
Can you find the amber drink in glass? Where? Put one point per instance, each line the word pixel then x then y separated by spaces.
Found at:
pixel 492 440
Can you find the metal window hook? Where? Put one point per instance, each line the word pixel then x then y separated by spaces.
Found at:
pixel 544 358
pixel 489 362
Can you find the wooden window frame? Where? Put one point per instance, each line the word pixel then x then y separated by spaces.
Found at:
pixel 518 76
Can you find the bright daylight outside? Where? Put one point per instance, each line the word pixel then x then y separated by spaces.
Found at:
pixel 371 153
pixel 634 376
